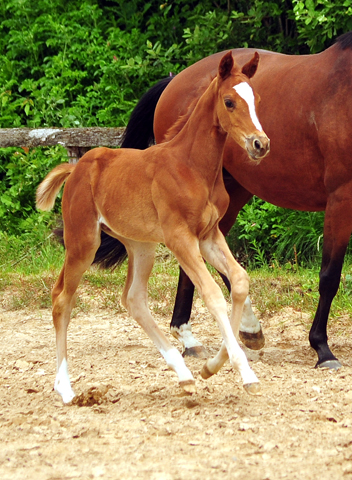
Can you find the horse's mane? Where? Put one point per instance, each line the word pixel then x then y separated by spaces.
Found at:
pixel 345 40
pixel 182 120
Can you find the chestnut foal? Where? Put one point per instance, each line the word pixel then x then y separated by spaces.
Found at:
pixel 171 193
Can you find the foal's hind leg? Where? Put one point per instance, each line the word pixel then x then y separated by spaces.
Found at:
pixel 79 257
pixel 135 299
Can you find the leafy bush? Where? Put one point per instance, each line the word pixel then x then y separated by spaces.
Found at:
pixel 266 235
pixel 21 171
pixel 86 63
pixel 319 21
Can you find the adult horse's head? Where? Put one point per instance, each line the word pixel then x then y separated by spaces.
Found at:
pixel 237 106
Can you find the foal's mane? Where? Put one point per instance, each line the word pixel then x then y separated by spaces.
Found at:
pixel 182 120
pixel 345 40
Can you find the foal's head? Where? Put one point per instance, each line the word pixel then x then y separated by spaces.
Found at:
pixel 237 106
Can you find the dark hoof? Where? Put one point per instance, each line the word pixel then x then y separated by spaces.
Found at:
pixel 205 372
pixel 254 341
pixel 330 364
pixel 199 352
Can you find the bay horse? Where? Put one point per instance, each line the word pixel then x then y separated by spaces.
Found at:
pixel 171 193
pixel 306 110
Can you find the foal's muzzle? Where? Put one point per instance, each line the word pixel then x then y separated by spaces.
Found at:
pixel 258 146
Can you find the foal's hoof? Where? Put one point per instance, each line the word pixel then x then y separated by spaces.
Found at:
pixel 330 364
pixel 66 394
pixel 188 386
pixel 199 352
pixel 254 341
pixel 205 372
pixel 252 388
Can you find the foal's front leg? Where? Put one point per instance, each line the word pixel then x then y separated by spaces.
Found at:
pixel 216 251
pixel 190 258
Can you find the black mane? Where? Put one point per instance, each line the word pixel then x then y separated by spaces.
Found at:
pixel 345 40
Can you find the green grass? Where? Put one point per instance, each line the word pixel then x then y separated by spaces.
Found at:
pixel 30 268
pixel 275 288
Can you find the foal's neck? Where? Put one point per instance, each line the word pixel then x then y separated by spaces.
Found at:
pixel 202 140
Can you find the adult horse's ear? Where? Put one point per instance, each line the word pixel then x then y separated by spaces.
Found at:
pixel 226 65
pixel 251 67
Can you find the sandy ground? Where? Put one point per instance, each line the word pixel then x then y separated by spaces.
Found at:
pixel 132 421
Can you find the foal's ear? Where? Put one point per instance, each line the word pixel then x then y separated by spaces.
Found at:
pixel 251 67
pixel 226 65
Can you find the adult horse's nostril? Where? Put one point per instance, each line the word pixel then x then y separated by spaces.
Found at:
pixel 257 145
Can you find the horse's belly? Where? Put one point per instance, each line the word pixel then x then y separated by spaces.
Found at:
pixel 276 181
pixel 127 209
pixel 131 224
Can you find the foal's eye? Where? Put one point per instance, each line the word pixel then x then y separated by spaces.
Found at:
pixel 229 104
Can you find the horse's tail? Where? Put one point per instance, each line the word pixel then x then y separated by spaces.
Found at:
pixel 138 134
pixel 50 186
pixel 139 131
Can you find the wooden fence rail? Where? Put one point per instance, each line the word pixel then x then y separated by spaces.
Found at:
pixel 76 140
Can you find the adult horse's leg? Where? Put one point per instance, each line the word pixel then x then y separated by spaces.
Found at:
pixel 135 300
pixel 337 232
pixel 251 333
pixel 180 325
pixel 250 330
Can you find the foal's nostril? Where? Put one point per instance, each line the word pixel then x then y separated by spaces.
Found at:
pixel 257 145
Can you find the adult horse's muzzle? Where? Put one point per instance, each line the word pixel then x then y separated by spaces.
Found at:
pixel 258 146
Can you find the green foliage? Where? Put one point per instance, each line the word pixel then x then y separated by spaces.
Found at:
pixel 21 171
pixel 319 21
pixel 68 64
pixel 269 25
pixel 86 63
pixel 268 235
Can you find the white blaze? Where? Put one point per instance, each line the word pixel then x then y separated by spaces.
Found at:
pixel 245 91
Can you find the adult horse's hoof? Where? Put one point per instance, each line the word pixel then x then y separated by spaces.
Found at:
pixel 330 364
pixel 198 352
pixel 252 388
pixel 205 372
pixel 188 386
pixel 254 341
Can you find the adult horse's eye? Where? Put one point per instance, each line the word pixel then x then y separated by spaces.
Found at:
pixel 229 104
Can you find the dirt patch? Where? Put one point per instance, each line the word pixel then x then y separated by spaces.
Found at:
pixel 131 421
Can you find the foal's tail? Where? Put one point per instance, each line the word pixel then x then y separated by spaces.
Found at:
pixel 50 186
